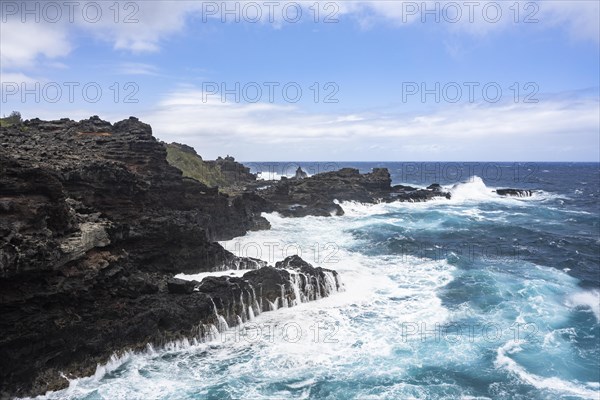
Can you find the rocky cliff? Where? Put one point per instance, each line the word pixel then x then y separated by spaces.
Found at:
pixel 94 224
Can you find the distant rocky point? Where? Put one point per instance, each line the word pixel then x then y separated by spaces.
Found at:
pixel 225 173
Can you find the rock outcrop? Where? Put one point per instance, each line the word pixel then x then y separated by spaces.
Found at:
pixel 291 282
pixel 228 175
pixel 319 194
pixel 300 174
pixel 234 172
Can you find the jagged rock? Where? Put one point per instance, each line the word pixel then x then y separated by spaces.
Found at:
pixel 399 188
pixel 300 174
pixel 228 175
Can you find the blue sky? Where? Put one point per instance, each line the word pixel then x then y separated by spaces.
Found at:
pixel 373 62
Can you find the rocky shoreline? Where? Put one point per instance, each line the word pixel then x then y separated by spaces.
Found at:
pixel 95 223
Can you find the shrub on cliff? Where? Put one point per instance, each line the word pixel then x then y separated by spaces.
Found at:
pixel 13 119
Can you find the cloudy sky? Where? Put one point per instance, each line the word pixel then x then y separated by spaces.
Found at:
pixel 316 81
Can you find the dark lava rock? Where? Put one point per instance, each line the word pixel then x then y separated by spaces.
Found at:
pixel 94 224
pixel 300 174
pixel 317 195
pixel 515 192
pixel 411 194
pixel 180 286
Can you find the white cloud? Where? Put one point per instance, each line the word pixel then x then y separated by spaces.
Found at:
pixel 23 44
pixel 143 26
pixel 289 132
pixel 137 27
pixel 581 18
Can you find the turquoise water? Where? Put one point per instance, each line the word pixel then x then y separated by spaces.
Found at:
pixel 474 298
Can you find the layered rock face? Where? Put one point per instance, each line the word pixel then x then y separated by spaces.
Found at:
pixel 94 224
pixel 69 187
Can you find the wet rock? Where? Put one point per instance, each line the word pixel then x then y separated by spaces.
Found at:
pixel 515 192
pixel 318 195
pixel 179 286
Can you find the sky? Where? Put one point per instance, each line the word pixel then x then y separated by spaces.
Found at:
pixel 318 80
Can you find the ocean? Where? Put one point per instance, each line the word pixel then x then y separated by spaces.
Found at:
pixel 477 297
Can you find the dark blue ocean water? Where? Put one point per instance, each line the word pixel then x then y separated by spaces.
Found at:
pixel 476 297
pixel 564 231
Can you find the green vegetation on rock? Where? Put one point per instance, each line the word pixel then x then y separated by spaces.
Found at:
pixel 192 165
pixel 12 119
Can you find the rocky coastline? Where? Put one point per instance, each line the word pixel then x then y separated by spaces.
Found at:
pixel 95 223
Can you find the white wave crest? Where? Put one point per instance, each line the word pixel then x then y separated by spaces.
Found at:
pixel 275 176
pixel 590 299
pixel 473 189
pixel 503 361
